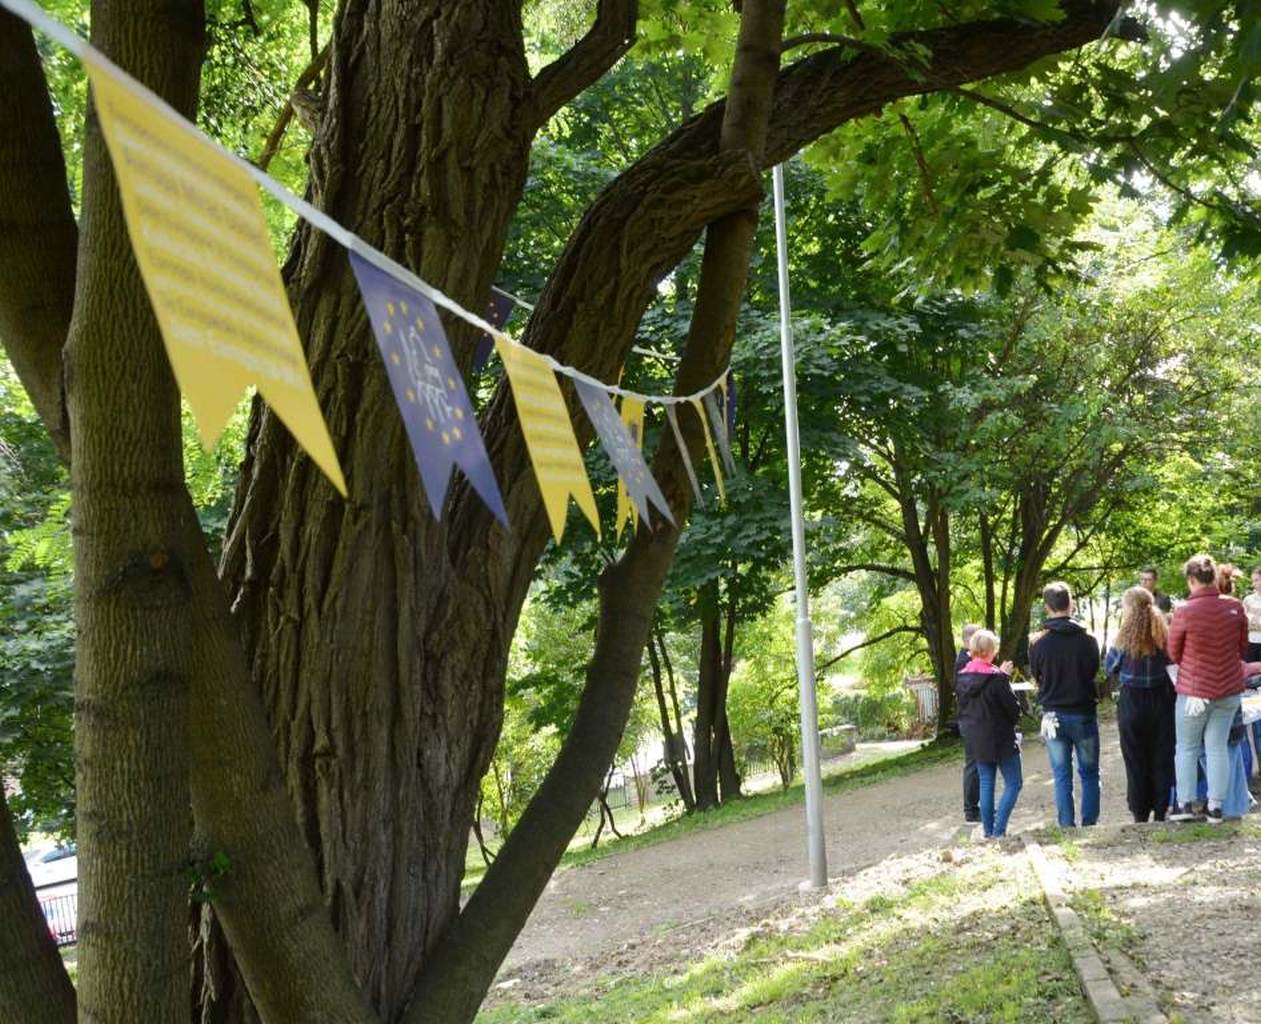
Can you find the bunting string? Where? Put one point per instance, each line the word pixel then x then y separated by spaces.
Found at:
pixel 198 232
pixel 80 48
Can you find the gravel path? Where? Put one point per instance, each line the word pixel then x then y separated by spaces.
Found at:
pixel 1184 904
pixel 616 912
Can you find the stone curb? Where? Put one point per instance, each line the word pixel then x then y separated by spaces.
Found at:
pixel 1109 1006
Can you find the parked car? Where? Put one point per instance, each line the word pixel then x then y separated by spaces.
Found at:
pixel 53 865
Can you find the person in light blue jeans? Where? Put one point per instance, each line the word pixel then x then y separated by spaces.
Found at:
pixel 1075 735
pixel 994 822
pixel 1208 730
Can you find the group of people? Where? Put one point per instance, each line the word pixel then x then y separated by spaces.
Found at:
pixel 1181 673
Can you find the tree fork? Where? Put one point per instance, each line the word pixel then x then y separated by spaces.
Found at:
pixel 455 979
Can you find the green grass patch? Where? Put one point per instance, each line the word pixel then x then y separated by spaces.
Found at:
pixel 750 807
pixel 975 947
pixel 1200 832
pixel 1105 927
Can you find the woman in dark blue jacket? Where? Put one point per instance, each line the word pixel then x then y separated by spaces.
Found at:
pixel 1145 704
pixel 988 713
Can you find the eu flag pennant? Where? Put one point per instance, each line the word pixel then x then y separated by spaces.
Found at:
pixel 623 452
pixel 437 413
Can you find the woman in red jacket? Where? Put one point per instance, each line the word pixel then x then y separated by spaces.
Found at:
pixel 1208 639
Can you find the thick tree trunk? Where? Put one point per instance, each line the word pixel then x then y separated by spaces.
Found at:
pixel 367 623
pixel 464 964
pixel 132 591
pixel 34 986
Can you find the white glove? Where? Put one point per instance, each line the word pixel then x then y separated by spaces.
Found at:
pixel 1195 706
pixel 1050 725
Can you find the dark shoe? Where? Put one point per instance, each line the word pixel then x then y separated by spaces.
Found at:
pixel 1183 812
pixel 1213 815
pixel 972 819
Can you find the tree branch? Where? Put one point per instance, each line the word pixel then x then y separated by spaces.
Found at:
pixel 37 259
pixel 887 570
pixel 277 134
pixel 34 986
pixel 926 178
pixel 870 642
pixel 611 36
pixel 833 39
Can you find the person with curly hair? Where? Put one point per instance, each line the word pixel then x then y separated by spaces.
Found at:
pixel 1145 704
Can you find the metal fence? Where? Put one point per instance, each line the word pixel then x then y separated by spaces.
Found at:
pixel 61 911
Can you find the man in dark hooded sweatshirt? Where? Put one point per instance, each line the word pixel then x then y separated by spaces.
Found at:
pixel 1064 659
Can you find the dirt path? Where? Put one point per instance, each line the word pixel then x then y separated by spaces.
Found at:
pixel 622 908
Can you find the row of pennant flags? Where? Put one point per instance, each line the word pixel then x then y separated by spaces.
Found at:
pixel 201 242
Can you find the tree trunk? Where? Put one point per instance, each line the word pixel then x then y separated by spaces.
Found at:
pixel 728 776
pixel 987 564
pixel 133 652
pixel 401 92
pixel 367 622
pixel 710 703
pixel 672 742
pixel 464 964
pixel 34 986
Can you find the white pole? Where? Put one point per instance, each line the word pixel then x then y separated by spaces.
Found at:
pixel 805 630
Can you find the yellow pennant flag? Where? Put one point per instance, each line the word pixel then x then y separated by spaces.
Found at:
pixel 548 435
pixel 633 417
pixel 201 243
pixel 709 445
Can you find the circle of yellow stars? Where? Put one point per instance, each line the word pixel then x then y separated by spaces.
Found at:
pixel 454 433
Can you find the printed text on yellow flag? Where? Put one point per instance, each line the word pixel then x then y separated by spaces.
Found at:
pixel 633 417
pixel 200 239
pixel 548 435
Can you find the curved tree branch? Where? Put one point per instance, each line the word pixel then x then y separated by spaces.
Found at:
pixel 277 134
pixel 37 259
pixel 610 36
pixel 870 642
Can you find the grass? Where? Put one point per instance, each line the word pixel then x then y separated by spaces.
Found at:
pixel 745 808
pixel 971 944
pixel 1106 929
pixel 1199 832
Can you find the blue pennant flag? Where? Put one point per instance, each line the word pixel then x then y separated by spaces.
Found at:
pixel 498 309
pixel 622 450
pixel 439 418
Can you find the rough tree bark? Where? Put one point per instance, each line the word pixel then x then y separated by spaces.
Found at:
pixel 133 652
pixel 462 967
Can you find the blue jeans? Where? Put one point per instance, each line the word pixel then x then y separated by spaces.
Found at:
pixel 1078 733
pixel 1210 730
pixel 1013 779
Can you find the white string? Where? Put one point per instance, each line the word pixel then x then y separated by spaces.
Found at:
pixel 80 48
